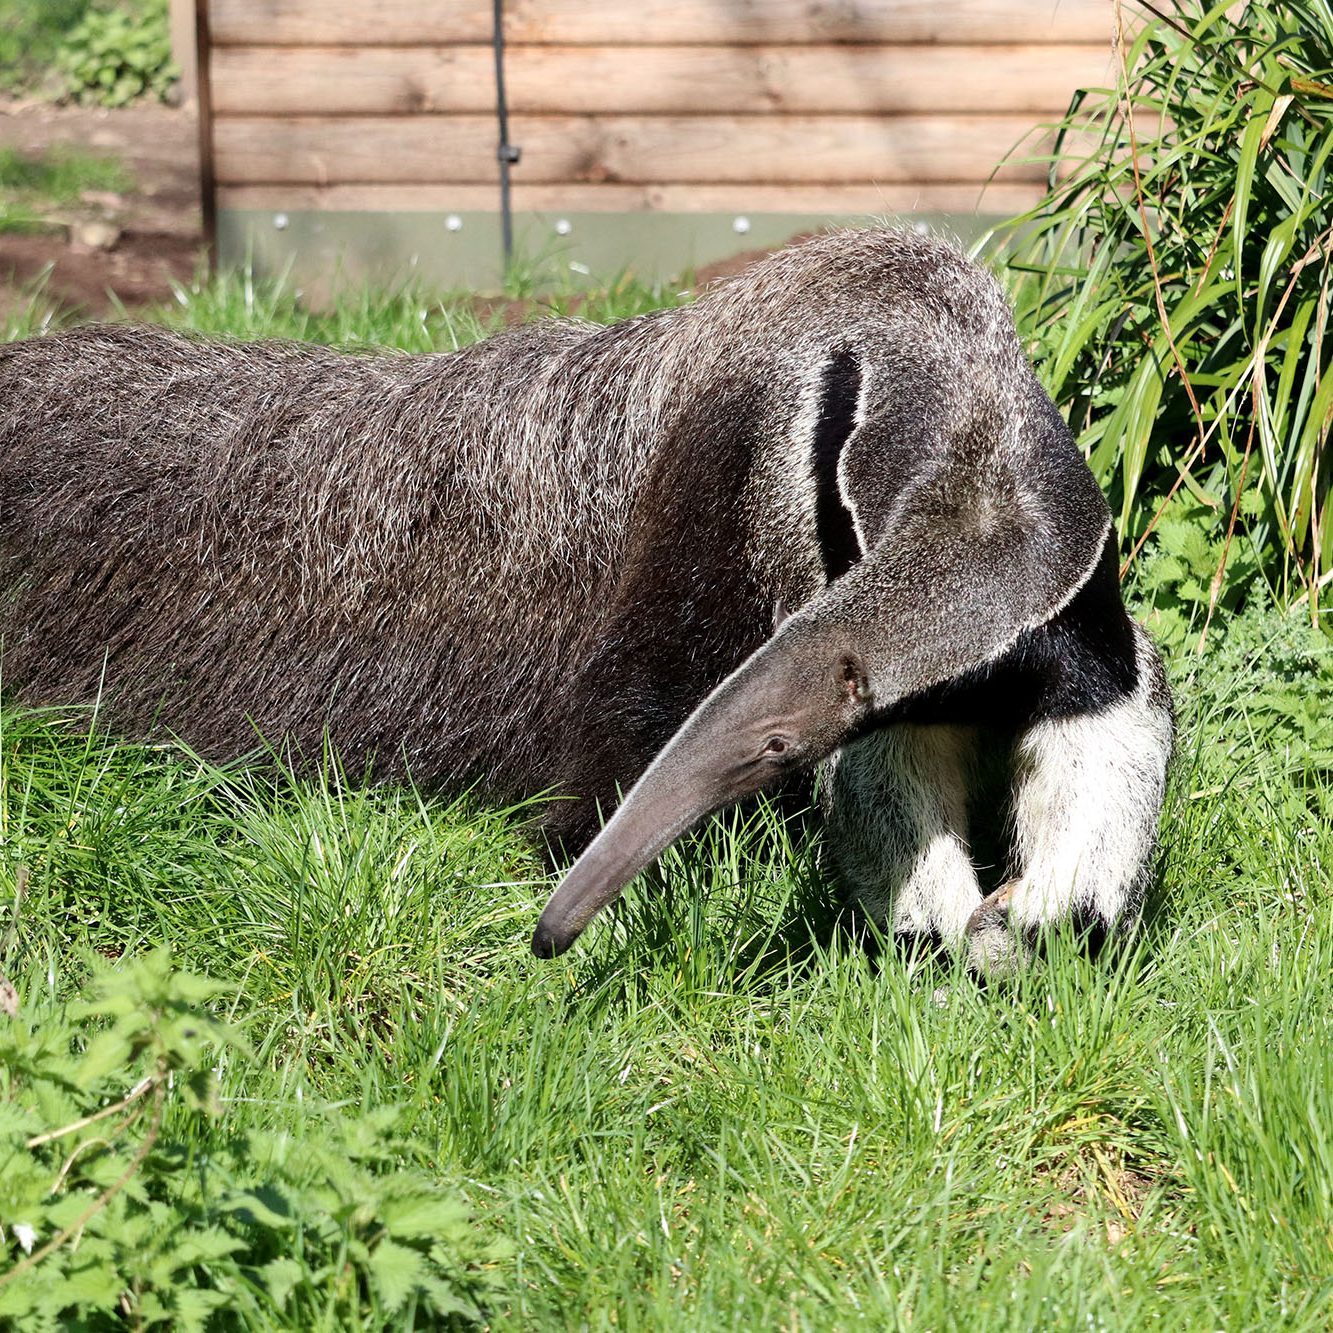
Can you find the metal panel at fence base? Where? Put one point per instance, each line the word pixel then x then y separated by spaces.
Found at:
pixel 319 250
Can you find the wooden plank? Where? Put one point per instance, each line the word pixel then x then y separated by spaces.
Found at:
pixel 616 23
pixel 999 198
pixel 636 149
pixel 184 47
pixel 665 79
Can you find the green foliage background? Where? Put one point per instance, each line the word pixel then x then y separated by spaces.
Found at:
pixel 31 33
pixel 107 52
pixel 32 185
pixel 117 55
pixel 1175 286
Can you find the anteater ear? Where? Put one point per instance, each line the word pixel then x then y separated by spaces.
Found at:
pixel 835 525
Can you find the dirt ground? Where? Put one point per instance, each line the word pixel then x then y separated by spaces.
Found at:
pixel 154 227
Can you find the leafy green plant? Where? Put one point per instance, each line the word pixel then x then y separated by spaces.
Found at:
pixel 125 1193
pixel 31 32
pixel 115 56
pixel 1259 695
pixel 1175 282
pixel 1174 576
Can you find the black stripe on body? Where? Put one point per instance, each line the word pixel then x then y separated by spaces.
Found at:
pixel 835 530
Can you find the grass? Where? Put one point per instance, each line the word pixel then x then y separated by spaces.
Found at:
pixel 726 1108
pixel 33 184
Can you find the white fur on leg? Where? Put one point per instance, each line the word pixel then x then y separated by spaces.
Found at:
pixel 1087 801
pixel 895 804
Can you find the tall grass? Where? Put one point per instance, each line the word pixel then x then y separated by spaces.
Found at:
pixel 724 1109
pixel 1175 281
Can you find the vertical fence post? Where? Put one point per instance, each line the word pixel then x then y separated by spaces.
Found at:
pixel 183 49
pixel 507 154
pixel 204 100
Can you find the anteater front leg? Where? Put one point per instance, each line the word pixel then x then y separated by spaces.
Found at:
pixel 1087 795
pixel 895 807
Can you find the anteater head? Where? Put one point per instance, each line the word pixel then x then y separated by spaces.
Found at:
pixel 907 460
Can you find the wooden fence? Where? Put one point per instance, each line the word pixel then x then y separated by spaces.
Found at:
pixel 835 106
pixel 353 129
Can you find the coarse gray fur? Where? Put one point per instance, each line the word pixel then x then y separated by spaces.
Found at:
pixel 552 560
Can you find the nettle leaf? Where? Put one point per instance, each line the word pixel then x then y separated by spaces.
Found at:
pixel 444 1299
pixel 96 1283
pixel 327 1207
pixel 101 1167
pixel 190 1307
pixel 1189 544
pixel 366 1137
pixel 267 1207
pixel 17 1125
pixel 151 1309
pixel 64 1210
pixel 1252 503
pixel 107 1053
pixel 205 1245
pixel 25 1187
pixel 38 1055
pixel 281 1277
pixel 1167 626
pixel 18 1302
pixel 1162 571
pixel 395 1271
pixel 422 1216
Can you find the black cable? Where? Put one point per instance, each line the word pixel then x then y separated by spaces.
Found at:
pixel 506 153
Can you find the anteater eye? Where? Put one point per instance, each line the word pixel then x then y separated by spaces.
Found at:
pixel 774 746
